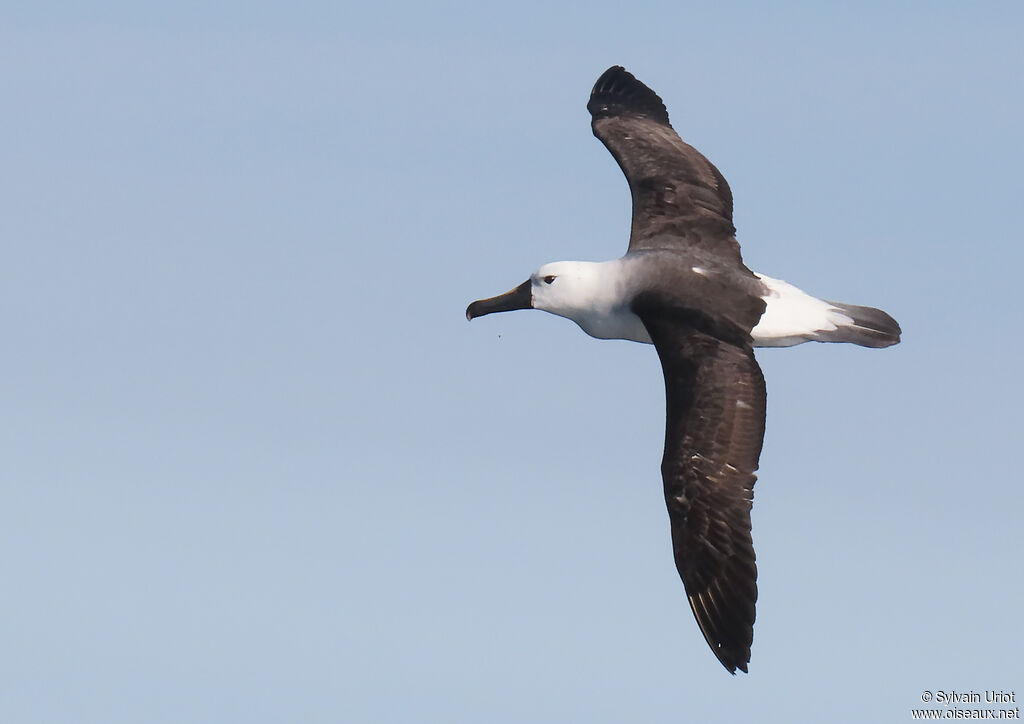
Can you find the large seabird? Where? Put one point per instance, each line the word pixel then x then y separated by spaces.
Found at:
pixel 683 287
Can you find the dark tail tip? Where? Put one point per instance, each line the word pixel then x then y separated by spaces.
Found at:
pixel 870 327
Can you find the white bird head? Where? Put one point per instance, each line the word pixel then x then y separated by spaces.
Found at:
pixel 565 288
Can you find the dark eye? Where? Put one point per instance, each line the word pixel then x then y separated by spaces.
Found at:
pixel 549 278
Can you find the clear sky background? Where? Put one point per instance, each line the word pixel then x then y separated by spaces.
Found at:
pixel 257 467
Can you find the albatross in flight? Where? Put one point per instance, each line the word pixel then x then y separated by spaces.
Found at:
pixel 682 286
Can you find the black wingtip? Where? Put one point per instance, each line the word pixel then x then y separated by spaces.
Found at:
pixel 618 92
pixel 729 642
pixel 733 660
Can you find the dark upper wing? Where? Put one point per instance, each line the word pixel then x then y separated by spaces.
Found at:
pixel 714 429
pixel 679 197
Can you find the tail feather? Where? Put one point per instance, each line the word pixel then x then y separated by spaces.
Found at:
pixel 866 326
pixel 792 316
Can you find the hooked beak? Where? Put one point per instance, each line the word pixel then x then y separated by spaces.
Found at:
pixel 519 298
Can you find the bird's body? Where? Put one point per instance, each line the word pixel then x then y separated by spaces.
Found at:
pixel 682 286
pixel 601 292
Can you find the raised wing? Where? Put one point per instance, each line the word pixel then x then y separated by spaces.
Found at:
pixel 679 198
pixel 714 429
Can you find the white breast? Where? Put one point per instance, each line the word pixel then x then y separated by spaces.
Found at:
pixel 616 323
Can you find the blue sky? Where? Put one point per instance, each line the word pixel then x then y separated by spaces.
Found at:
pixel 257 467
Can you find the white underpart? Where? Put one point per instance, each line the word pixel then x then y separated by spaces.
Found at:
pixel 793 316
pixel 591 294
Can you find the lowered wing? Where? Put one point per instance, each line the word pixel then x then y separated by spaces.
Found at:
pixel 715 420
